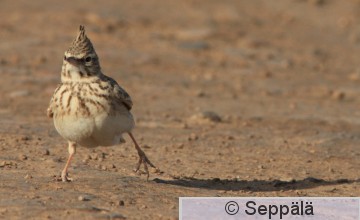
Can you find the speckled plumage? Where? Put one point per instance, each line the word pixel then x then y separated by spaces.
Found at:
pixel 89 108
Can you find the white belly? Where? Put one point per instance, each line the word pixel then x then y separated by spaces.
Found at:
pixel 102 130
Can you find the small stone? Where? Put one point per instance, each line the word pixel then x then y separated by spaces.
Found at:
pixel 261 167
pixel 193 137
pixel 338 95
pixel 206 116
pixel 25 138
pixel 267 74
pixel 287 179
pixel 27 176
pixel 83 198
pixel 146 146
pixel 120 203
pixel 23 157
pixel 2 164
pixel 185 126
pixel 143 207
pixel 230 137
pixel 200 94
pixel 46 152
pixel 180 146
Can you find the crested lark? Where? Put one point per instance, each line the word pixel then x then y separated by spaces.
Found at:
pixel 89 108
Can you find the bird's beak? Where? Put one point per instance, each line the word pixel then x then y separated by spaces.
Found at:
pixel 73 61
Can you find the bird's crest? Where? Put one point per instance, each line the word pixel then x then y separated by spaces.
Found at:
pixel 81 45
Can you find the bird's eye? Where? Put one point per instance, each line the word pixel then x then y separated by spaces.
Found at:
pixel 87 59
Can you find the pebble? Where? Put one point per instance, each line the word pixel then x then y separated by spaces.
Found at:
pixel 200 94
pixel 83 198
pixel 206 116
pixel 46 152
pixel 25 138
pixel 184 126
pixel 193 137
pixel 180 146
pixel 338 95
pixel 146 146
pixel 261 167
pixel 229 137
pixel 143 207
pixel 120 203
pixel 23 157
pixel 27 176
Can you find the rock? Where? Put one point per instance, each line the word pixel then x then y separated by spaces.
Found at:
pixel 3 163
pixel 338 95
pixel 27 176
pixel 206 116
pixel 184 126
pixel 120 203
pixel 261 167
pixel 193 137
pixel 25 138
pixel 46 152
pixel 200 94
pixel 143 207
pixel 23 157
pixel 83 198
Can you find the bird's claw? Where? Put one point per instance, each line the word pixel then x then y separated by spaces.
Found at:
pixel 65 177
pixel 145 161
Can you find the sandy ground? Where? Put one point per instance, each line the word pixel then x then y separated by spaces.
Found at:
pixel 282 76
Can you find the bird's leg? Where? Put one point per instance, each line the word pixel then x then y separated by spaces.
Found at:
pixel 142 157
pixel 64 174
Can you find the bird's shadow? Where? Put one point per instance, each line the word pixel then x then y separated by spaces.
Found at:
pixel 253 185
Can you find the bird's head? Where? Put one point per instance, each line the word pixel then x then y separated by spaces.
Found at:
pixel 80 60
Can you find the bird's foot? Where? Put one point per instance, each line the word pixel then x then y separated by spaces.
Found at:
pixel 65 177
pixel 145 161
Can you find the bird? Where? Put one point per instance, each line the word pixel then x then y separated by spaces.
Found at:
pixel 88 108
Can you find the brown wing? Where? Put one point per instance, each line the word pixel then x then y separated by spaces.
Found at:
pixel 123 96
pixel 120 94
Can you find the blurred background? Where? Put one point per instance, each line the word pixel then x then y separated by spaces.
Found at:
pixel 256 92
